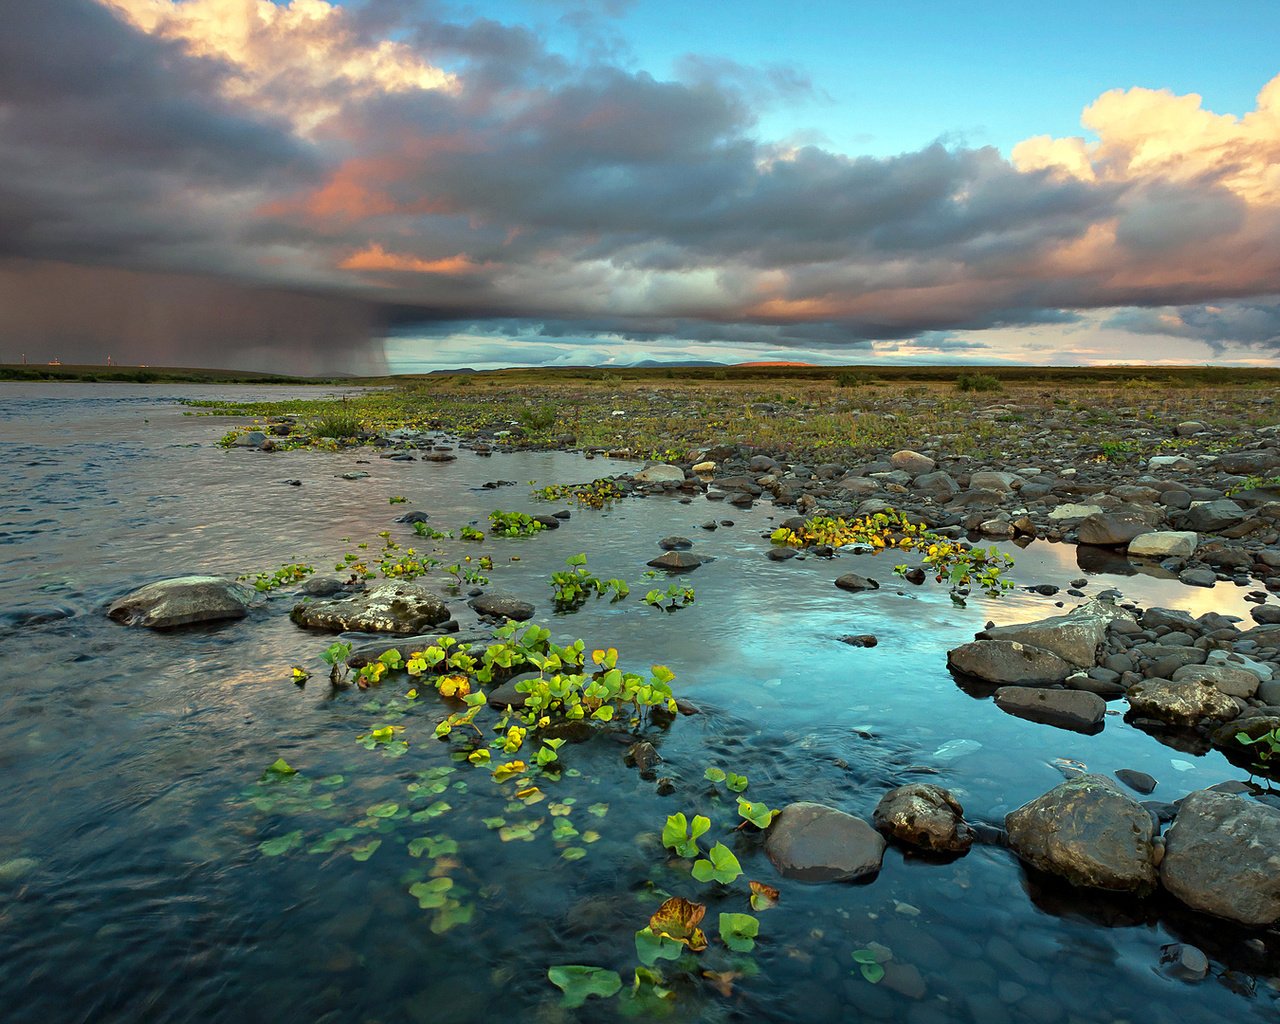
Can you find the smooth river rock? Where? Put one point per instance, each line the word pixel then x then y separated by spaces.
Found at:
pixel 1164 544
pixel 926 816
pixel 815 843
pixel 1110 529
pixel 1075 637
pixel 183 601
pixel 1088 832
pixel 389 608
pixel 1006 661
pixel 1222 856
pixel 1067 709
pixel 658 473
pixel 502 606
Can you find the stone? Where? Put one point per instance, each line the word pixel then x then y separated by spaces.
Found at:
pixel 1072 510
pixel 1234 682
pixel 323 586
pixel 924 815
pixel 940 484
pixel 502 606
pixel 252 439
pixel 814 843
pixel 183 601
pixel 991 480
pixel 406 645
pixel 1187 428
pixel 506 695
pixel 1197 577
pixel 1210 516
pixel 1183 962
pixel 852 582
pixel 389 608
pixel 703 468
pixel 1088 832
pixel 1007 661
pixel 1139 782
pixel 1075 637
pixel 658 473
pixel 1177 463
pixel 1067 709
pixel 912 463
pixel 677 561
pixel 1164 544
pixel 1182 704
pixel 1222 857
pixel 675 543
pixel 1110 529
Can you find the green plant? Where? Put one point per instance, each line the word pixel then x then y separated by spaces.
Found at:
pixel 539 418
pixel 423 530
pixel 470 533
pixel 758 814
pixel 871 960
pixel 735 783
pixel 681 835
pixel 292 572
pixel 739 931
pixel 513 524
pixel 978 382
pixel 341 424
pixel 335 656
pixel 962 566
pixel 1267 746
pixel 596 494
pixel 677 595
pixel 572 586
pixel 720 865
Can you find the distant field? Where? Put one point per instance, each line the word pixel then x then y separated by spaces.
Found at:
pixel 845 376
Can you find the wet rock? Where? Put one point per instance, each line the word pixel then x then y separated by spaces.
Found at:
pixel 506 695
pixel 548 522
pixel 406 645
pixel 814 843
pixel 644 757
pixel 860 640
pixel 1006 661
pixel 677 561
pixel 675 543
pixel 1222 857
pixel 1088 832
pixel 1110 529
pixel 251 439
pixel 323 586
pixel 852 582
pixel 1182 704
pixel 1183 962
pixel 1234 682
pixel 777 554
pixel 502 606
pixel 1198 577
pixel 389 608
pixel 1211 516
pixel 1067 709
pixel 1139 782
pixel 1164 544
pixel 413 517
pixel 1075 637
pixel 183 601
pixel 659 472
pixel 926 816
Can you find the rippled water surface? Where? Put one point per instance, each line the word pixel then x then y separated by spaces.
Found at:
pixel 133 880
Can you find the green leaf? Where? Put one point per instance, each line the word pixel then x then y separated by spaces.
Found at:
pixel 280 845
pixel 715 774
pixel 682 837
pixel 431 895
pixel 383 810
pixel 739 931
pixel 721 865
pixel 737 783
pixel 651 947
pixel 281 767
pixel 872 972
pixel 578 983
pixel 363 853
pixel 760 815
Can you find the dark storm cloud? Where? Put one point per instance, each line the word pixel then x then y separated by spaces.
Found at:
pixel 568 195
pixel 1251 324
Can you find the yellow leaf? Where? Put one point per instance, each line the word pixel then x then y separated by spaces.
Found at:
pixel 454 686
pixel 678 919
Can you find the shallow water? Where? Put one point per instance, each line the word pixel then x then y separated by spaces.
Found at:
pixel 133 886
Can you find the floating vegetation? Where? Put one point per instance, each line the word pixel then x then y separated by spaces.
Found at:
pixel 596 494
pixel 677 595
pixel 571 587
pixel 513 524
pixel 290 572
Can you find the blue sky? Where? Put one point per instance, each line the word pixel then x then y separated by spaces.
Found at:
pixel 424 184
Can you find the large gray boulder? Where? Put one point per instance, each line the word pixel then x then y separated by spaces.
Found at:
pixel 183 601
pixel 1184 703
pixel 659 472
pixel 926 816
pixel 1164 544
pixel 1067 709
pixel 1074 637
pixel 401 608
pixel 1234 682
pixel 1006 661
pixel 1088 832
pixel 815 843
pixel 1222 856
pixel 912 463
pixel 1110 529
pixel 1211 516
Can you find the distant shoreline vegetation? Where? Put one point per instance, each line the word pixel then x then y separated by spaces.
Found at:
pixel 852 376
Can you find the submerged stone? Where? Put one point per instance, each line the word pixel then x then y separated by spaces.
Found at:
pixel 814 843
pixel 926 816
pixel 183 601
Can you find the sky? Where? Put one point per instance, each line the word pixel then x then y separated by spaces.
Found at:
pixel 313 186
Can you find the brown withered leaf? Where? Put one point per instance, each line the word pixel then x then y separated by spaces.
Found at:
pixel 678 919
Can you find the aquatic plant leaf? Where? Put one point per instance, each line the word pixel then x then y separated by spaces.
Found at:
pixel 739 931
pixel 383 810
pixel 714 774
pixel 431 895
pixel 451 915
pixel 681 835
pixel 763 897
pixel 722 981
pixel 720 865
pixel 737 783
pixel 435 810
pixel 678 919
pixel 564 831
pixel 480 756
pixel 599 810
pixel 573 853
pixel 332 780
pixel 590 837
pixel 363 853
pixel 280 845
pixel 281 767
pixel 652 947
pixel 454 686
pixel 519 831
pixel 509 770
pixel 579 983
pixel 759 814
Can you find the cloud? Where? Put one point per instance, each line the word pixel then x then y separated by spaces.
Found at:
pixel 439 174
pixel 1250 324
